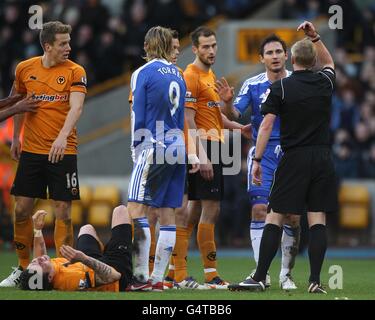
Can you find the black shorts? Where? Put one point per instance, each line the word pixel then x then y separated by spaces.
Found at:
pixel 35 173
pixel 305 180
pixel 117 252
pixel 201 189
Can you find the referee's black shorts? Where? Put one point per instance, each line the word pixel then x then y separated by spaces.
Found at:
pixel 305 180
pixel 201 189
pixel 117 252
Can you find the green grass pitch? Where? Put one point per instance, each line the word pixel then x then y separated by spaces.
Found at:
pixel 358 283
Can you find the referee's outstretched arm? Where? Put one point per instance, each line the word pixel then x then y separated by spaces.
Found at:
pixel 324 58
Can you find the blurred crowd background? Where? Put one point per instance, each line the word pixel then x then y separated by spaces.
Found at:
pixel 107 40
pixel 108 35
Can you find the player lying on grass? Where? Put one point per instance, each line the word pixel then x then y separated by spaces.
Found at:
pixel 87 268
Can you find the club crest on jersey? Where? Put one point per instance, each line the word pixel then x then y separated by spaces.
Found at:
pixel 264 96
pixel 60 80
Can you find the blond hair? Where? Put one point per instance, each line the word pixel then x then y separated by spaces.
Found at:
pixel 49 31
pixel 304 53
pixel 158 43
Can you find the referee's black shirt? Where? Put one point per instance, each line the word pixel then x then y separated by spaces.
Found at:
pixel 303 102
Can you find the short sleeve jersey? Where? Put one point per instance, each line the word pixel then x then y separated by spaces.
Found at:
pixel 202 97
pixel 186 128
pixel 253 92
pixel 158 91
pixel 303 103
pixel 51 87
pixel 77 277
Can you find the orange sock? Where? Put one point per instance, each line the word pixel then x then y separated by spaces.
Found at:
pixel 23 239
pixel 151 257
pixel 63 234
pixel 207 248
pixel 180 254
pixel 178 259
pixel 180 251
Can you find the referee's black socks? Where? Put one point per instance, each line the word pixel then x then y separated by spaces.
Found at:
pixel 317 250
pixel 268 249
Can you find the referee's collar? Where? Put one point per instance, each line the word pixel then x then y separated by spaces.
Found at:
pixel 303 71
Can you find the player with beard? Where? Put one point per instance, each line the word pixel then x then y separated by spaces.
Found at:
pixel 203 113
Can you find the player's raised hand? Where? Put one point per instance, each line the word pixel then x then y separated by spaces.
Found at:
pixel 71 254
pixel 38 219
pixel 308 28
pixel 224 91
pixel 256 173
pixel 57 150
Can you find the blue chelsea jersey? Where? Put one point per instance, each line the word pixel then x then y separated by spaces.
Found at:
pixel 158 104
pixel 253 93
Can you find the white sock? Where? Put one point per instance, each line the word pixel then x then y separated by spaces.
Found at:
pixel 164 248
pixel 289 249
pixel 256 232
pixel 141 248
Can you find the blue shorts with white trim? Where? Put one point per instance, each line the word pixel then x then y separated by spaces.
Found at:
pixel 269 163
pixel 159 185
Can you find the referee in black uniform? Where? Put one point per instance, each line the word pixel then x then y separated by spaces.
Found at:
pixel 305 178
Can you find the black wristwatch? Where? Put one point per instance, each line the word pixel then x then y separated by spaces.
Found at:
pixel 256 159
